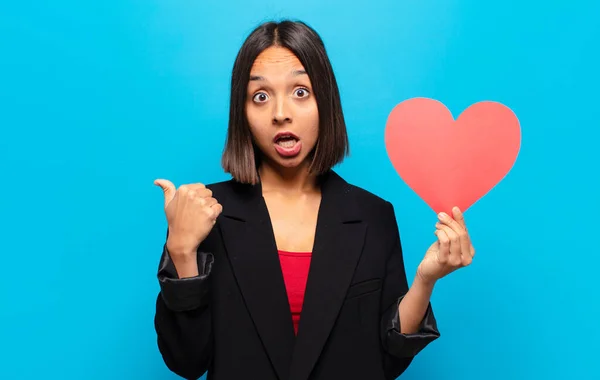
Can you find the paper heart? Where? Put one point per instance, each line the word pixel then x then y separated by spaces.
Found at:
pixel 452 163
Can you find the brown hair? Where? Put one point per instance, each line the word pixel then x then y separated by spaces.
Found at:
pixel 241 157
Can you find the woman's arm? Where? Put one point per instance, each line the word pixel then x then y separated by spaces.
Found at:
pixel 414 305
pixel 182 320
pixel 407 324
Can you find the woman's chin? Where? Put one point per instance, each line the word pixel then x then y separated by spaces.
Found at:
pixel 294 163
pixel 297 162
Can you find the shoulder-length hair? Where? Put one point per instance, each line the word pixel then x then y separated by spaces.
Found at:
pixel 241 157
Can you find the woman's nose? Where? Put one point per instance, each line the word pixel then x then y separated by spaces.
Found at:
pixel 281 113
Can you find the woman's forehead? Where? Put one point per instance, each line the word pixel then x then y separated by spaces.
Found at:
pixel 276 61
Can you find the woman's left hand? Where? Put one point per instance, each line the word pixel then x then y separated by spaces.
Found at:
pixel 451 251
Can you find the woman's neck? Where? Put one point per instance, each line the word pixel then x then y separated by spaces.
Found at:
pixel 288 180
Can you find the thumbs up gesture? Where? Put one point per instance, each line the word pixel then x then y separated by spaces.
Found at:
pixel 191 214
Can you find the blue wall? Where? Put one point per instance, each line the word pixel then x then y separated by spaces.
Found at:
pixel 97 99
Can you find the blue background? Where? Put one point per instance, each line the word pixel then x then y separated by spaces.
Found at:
pixel 97 99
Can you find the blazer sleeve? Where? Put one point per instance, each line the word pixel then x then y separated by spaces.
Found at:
pixel 182 319
pixel 400 348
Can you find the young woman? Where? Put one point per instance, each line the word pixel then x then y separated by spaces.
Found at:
pixel 286 271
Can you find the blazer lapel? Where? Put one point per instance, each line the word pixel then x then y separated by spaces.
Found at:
pixel 250 245
pixel 338 244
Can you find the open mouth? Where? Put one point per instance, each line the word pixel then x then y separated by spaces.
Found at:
pixel 286 140
pixel 287 144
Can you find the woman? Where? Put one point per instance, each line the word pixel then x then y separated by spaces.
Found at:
pixel 286 271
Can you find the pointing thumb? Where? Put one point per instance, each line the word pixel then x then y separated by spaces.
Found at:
pixel 168 188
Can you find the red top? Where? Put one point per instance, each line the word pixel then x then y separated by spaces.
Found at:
pixel 295 266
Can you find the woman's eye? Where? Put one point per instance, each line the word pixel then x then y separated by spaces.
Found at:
pixel 261 97
pixel 302 92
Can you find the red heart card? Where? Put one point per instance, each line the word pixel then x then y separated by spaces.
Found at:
pixel 451 162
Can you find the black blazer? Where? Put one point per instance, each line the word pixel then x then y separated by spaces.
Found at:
pixel 234 320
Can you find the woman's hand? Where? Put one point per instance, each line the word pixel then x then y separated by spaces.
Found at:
pixel 191 214
pixel 451 251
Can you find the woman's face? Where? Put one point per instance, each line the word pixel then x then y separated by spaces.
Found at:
pixel 281 108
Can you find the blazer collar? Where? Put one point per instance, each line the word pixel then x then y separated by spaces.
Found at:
pixel 250 244
pixel 247 202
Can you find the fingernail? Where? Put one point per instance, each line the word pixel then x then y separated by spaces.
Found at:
pixel 442 215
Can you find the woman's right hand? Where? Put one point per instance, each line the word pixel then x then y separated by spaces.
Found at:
pixel 191 214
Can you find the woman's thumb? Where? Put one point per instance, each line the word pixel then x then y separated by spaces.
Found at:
pixel 168 189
